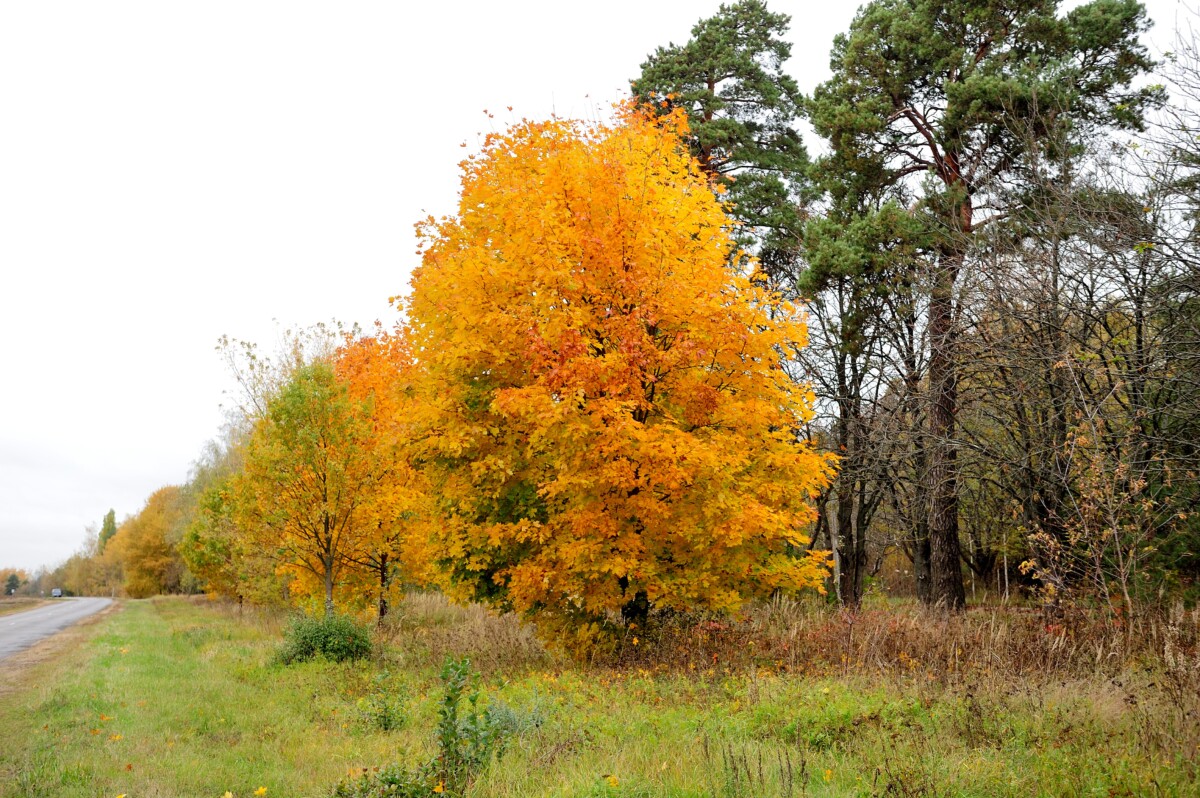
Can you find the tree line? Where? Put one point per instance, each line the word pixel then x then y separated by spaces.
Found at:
pixel 676 362
pixel 996 248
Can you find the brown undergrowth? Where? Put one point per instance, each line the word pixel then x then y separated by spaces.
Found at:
pixel 905 639
pixel 806 637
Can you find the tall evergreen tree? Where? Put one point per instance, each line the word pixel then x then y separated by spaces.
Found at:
pixel 920 104
pixel 742 109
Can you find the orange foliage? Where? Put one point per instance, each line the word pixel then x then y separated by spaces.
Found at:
pixel 603 414
pixel 377 372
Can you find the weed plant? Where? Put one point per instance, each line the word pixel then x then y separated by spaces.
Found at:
pixel 385 708
pixel 468 738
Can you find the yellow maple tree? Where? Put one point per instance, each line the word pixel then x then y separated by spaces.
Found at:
pixel 604 414
pixel 145 545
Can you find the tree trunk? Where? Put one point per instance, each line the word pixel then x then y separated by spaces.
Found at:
pixel 328 589
pixel 922 573
pixel 635 611
pixel 852 554
pixel 383 585
pixel 918 520
pixel 947 589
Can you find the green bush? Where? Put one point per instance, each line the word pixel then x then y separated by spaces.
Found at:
pixel 336 638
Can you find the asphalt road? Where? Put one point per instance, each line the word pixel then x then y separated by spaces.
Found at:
pixel 20 630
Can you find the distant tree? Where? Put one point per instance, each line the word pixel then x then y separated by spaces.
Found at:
pixel 107 529
pixel 213 547
pixel 144 546
pixel 12 583
pixel 742 110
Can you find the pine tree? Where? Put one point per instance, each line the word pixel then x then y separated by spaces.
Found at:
pixel 921 104
pixel 742 110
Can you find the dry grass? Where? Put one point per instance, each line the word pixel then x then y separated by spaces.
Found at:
pixel 433 629
pixel 907 640
pixel 785 699
pixel 421 632
pixel 11 604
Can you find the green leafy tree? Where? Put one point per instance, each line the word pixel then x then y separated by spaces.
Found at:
pixel 920 104
pixel 742 110
pixel 12 583
pixel 108 528
pixel 307 470
pixel 216 552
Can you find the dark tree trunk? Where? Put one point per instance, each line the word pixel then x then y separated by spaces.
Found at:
pixel 328 562
pixel 383 585
pixel 947 589
pixel 922 574
pixel 637 609
pixel 917 517
pixel 852 546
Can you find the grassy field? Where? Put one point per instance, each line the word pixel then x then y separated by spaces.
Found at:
pixel 10 604
pixel 178 697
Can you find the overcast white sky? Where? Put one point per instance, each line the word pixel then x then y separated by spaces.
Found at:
pixel 171 172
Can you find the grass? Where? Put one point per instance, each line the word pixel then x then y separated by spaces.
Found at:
pixel 10 604
pixel 173 697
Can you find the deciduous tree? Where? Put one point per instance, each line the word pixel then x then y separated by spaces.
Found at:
pixel 605 418
pixel 145 545
pixel 307 468
pixel 378 373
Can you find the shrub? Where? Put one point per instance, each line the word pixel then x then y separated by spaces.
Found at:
pixel 336 638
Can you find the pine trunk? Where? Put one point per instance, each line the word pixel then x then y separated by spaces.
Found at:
pixel 946 589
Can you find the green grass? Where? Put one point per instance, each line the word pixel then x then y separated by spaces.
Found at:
pixel 169 698
pixel 176 698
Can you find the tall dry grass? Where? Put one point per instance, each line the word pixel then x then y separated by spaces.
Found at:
pixel 904 638
pixel 899 638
